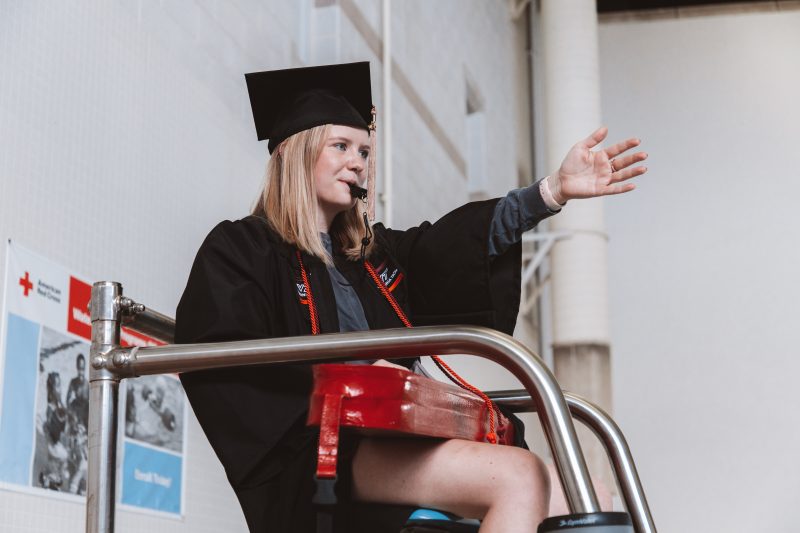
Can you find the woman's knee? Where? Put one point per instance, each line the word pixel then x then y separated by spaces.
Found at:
pixel 515 480
pixel 523 474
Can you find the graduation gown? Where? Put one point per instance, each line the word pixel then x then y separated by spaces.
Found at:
pixel 245 284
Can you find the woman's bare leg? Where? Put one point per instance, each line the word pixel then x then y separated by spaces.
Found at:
pixel 507 487
pixel 558 501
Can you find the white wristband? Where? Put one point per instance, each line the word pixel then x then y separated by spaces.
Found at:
pixel 547 196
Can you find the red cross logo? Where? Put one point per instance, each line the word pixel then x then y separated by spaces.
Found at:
pixel 26 284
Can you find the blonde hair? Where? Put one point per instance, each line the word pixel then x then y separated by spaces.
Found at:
pixel 288 200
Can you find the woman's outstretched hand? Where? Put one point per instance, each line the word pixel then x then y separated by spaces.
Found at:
pixel 586 174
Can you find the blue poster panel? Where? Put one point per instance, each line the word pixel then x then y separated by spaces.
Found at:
pixel 16 420
pixel 151 478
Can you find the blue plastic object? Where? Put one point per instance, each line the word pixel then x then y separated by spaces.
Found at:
pixel 429 520
pixel 430 514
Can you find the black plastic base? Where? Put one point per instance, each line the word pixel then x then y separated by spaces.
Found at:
pixel 438 526
pixel 588 523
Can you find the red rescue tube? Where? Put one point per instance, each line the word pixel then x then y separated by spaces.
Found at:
pixel 381 400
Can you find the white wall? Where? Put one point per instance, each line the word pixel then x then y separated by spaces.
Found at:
pixel 442 45
pixel 704 262
pixel 126 134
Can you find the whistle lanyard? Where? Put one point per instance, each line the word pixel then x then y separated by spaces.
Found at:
pixel 491 436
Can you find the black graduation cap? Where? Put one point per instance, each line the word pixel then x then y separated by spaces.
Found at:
pixel 289 101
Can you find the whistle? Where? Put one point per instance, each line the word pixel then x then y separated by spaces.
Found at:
pixel 357 192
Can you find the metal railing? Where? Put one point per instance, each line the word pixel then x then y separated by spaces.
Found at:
pixel 111 363
pixel 610 435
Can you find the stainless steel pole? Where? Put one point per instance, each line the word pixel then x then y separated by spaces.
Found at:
pixel 614 442
pixel 620 454
pixel 103 408
pixel 137 316
pixel 503 349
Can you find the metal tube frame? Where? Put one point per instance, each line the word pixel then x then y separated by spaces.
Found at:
pixel 110 363
pixel 610 435
pixel 103 408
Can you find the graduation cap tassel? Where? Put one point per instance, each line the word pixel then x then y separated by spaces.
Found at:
pixel 373 142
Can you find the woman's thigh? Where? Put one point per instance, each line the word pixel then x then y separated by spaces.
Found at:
pixel 462 477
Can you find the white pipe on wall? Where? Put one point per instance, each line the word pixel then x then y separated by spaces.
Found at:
pixel 386 129
pixel 572 111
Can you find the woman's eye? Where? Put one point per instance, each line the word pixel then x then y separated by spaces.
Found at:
pixel 363 153
pixel 340 146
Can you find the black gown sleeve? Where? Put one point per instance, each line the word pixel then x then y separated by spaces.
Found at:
pixel 451 277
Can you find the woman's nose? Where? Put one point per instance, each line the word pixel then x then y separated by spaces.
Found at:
pixel 355 163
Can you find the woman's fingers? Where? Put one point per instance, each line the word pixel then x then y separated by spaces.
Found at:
pixel 627 174
pixel 619 163
pixel 384 362
pixel 622 146
pixel 618 189
pixel 595 138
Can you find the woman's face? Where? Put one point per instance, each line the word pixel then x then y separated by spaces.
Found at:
pixel 343 161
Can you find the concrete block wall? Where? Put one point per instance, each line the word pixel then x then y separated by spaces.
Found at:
pixel 441 61
pixel 126 135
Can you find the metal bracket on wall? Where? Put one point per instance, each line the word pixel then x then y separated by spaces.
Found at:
pixel 531 261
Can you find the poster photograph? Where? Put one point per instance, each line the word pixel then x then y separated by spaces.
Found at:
pixel 62 414
pixel 154 408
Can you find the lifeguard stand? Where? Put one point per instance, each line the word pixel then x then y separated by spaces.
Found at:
pixel 110 363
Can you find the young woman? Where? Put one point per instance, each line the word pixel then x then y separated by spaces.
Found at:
pixel 300 265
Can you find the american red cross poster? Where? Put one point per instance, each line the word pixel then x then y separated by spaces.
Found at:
pixel 44 413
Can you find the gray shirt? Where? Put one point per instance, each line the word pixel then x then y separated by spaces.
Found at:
pixel 348 306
